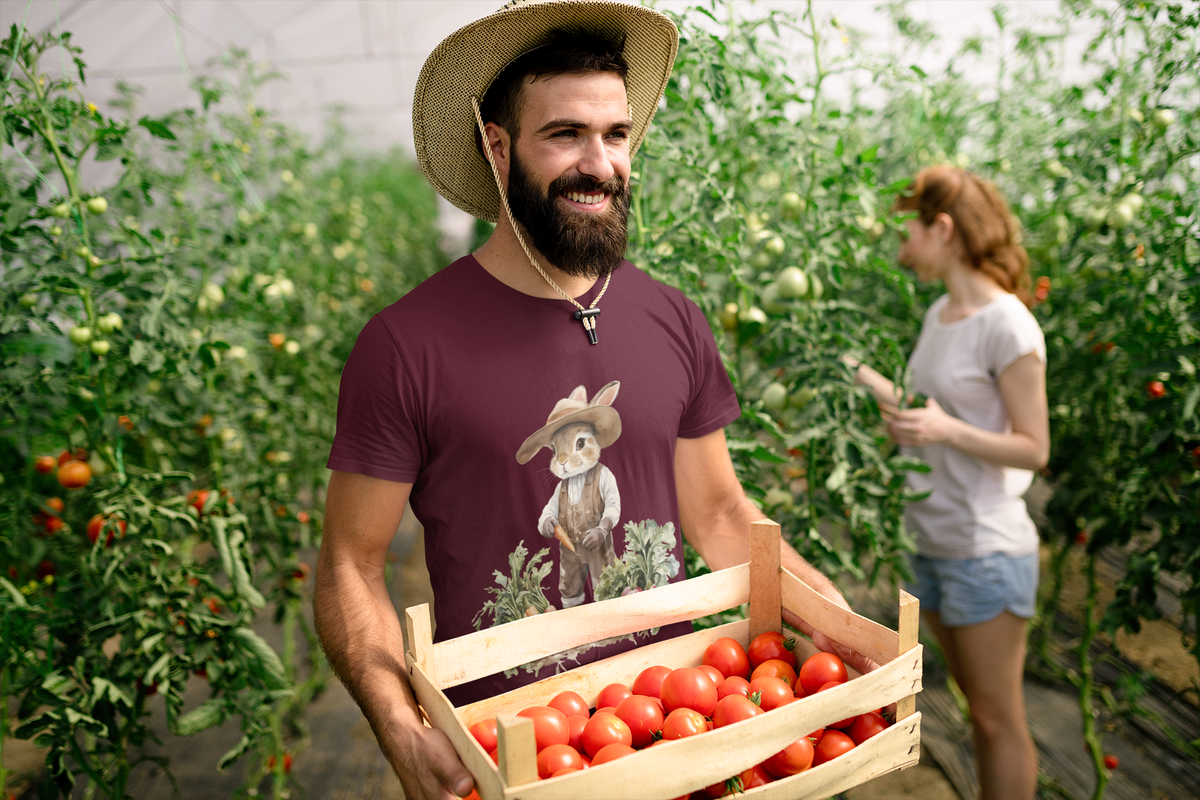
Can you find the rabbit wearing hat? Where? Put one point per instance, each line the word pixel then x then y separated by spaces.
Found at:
pixel 583 510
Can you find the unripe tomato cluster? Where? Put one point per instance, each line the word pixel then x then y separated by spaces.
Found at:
pixel 664 704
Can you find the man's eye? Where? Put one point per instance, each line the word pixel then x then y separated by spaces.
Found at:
pixel 564 134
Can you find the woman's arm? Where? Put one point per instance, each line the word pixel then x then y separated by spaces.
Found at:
pixel 884 391
pixel 1023 388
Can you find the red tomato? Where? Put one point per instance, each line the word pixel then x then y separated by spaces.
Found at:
pixel 484 732
pixel 557 757
pixel 612 695
pixel 683 722
pixel 733 685
pixel 712 672
pixel 196 499
pixel 831 745
pixel 53 525
pixel 604 729
pixel 865 726
pixel 772 692
pixel 845 723
pixel 570 704
pixel 100 523
pixel 577 724
pixel 649 681
pixel 816 735
pixel 643 716
pixel 734 708
pixel 687 687
pixel 729 656
pixel 791 760
pixel 494 755
pixel 820 669
pixel 775 668
pixel 45 568
pixel 769 645
pixel 78 455
pixel 731 786
pixel 74 474
pixel 45 464
pixel 758 777
pixel 549 726
pixel 1155 389
pixel 56 505
pixel 1111 762
pixel 611 752
pixel 567 770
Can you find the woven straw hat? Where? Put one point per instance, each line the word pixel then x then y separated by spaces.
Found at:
pixel 466 62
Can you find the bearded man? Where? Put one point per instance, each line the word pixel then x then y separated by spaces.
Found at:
pixel 529 117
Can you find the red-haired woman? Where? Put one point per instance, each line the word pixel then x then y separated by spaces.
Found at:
pixel 981 361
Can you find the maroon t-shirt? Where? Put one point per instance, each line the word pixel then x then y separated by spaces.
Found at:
pixel 446 387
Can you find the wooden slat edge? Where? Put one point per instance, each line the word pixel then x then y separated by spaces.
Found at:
pixel 516 751
pixel 505 646
pixel 589 679
pixel 898 747
pixel 876 641
pixel 672 770
pixel 908 630
pixel 443 716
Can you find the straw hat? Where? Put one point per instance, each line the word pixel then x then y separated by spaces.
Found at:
pixel 466 62
pixel 599 413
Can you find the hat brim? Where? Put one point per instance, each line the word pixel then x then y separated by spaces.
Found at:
pixel 604 419
pixel 466 62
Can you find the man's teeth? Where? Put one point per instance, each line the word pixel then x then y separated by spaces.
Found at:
pixel 586 199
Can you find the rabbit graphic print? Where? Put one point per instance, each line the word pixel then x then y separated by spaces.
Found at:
pixel 583 510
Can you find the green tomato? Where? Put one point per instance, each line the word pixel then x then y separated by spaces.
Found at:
pixel 109 323
pixel 770 181
pixel 55 230
pixel 775 397
pixel 61 210
pixel 802 397
pixel 760 260
pixel 1164 118
pixel 1134 201
pixel 729 316
pixel 82 251
pixel 1121 215
pixel 793 283
pixel 792 204
pixel 815 288
pixel 80 335
pixel 97 205
pixel 752 316
pixel 28 300
pixel 1096 215
pixel 775 246
pixel 100 347
pixel 98 464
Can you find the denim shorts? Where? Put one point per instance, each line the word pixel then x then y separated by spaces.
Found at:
pixel 974 590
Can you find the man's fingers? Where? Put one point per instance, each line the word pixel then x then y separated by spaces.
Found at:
pixel 449 776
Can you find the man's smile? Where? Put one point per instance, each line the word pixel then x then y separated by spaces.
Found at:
pixel 588 202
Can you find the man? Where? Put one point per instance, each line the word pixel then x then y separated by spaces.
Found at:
pixel 459 396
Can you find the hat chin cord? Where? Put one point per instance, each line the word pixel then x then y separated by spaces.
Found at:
pixel 588 315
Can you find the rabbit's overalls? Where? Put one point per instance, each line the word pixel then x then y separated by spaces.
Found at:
pixel 577 519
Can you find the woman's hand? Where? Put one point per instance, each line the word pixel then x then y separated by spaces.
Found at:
pixel 921 426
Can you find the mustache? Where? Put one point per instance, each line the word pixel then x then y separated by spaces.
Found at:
pixel 586 185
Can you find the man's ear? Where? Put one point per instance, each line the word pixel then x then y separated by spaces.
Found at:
pixel 500 143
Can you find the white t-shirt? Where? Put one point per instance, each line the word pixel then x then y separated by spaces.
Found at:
pixel 976 507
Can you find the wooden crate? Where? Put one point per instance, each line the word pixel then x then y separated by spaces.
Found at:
pixel 675 769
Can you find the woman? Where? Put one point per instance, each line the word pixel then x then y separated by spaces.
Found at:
pixel 980 360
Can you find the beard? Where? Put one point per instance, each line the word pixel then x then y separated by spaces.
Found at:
pixel 579 245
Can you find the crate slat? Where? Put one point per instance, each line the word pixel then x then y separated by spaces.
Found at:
pixel 878 642
pixel 496 649
pixel 589 679
pixel 765 598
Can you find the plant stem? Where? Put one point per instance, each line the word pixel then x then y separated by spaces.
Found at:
pixel 1087 681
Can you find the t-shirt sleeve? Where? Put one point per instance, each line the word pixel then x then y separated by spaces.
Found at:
pixel 713 403
pixel 377 415
pixel 1015 333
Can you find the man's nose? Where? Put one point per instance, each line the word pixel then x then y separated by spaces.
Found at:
pixel 595 161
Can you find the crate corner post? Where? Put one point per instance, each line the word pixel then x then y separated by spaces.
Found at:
pixel 909 627
pixel 418 628
pixel 517 749
pixel 766 594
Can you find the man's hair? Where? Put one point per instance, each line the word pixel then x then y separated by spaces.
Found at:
pixel 565 52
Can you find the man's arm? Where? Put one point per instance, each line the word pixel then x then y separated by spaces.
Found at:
pixel 716 515
pixel 362 637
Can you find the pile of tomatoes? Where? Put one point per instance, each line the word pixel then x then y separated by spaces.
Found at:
pixel 665 704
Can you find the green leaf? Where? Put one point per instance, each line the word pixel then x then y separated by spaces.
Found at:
pixel 157 128
pixel 204 716
pixel 234 753
pixel 258 651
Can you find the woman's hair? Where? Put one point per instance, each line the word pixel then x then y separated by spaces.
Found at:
pixel 982 222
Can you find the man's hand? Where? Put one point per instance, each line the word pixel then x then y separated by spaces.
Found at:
pixel 823 642
pixel 434 771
